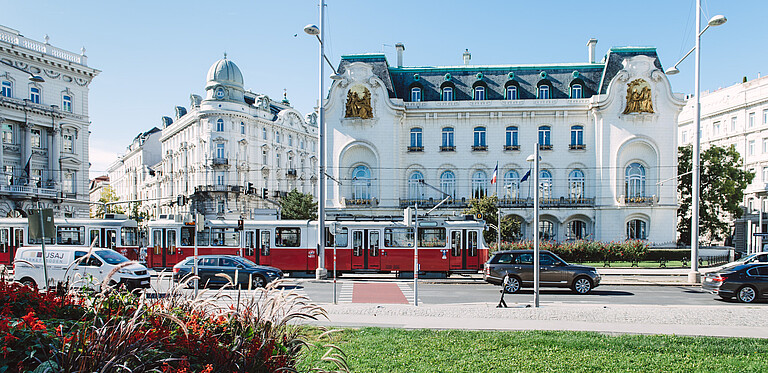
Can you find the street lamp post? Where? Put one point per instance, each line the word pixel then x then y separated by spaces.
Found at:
pixel 32 77
pixel 694 276
pixel 535 159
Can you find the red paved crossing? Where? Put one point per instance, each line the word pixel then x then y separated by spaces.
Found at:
pixel 378 293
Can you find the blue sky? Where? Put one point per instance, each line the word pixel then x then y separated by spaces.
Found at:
pixel 154 54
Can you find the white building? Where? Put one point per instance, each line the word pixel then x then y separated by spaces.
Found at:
pixel 45 127
pixel 738 116
pixel 223 156
pixel 404 135
pixel 131 174
pixel 96 191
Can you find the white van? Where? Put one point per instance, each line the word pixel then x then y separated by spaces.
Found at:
pixel 64 266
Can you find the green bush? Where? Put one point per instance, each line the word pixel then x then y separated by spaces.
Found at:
pixel 581 251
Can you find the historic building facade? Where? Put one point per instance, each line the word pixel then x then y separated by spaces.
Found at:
pixel 738 116
pixel 233 154
pixel 399 136
pixel 45 127
pixel 132 176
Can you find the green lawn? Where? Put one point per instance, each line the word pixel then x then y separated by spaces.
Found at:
pixel 397 350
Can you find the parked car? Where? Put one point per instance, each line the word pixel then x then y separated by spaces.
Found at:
pixel 761 257
pixel 209 266
pixel 746 282
pixel 73 266
pixel 517 265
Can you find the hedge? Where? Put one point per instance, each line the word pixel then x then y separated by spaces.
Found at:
pixel 593 251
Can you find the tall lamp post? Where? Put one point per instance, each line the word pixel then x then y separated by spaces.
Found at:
pixel 319 32
pixel 32 77
pixel 535 159
pixel 693 275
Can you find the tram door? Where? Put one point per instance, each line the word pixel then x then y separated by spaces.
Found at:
pixel 158 249
pixel 366 253
pixel 5 247
pixel 464 250
pixel 251 246
pixel 265 254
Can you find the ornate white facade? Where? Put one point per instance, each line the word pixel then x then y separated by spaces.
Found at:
pixel 440 131
pixel 738 116
pixel 45 127
pixel 222 156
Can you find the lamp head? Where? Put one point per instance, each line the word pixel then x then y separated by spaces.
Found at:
pixel 672 71
pixel 36 79
pixel 717 20
pixel 336 77
pixel 312 30
pixel 531 158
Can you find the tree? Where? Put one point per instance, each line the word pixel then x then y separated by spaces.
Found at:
pixel 487 205
pixel 297 205
pixel 722 190
pixel 107 195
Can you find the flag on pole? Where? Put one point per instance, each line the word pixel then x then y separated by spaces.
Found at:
pixel 525 177
pixel 495 173
pixel 26 168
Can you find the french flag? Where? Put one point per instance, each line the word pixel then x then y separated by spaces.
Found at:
pixel 495 173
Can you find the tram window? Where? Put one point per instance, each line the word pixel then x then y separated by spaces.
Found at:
pixel 287 237
pixel 157 241
pixel 3 240
pixel 94 240
pixel 398 237
pixel 357 243
pixel 456 243
pixel 36 241
pixel 373 242
pixel 432 237
pixel 129 236
pixel 70 235
pixel 249 244
pixel 171 239
pixel 203 237
pixel 265 243
pixel 111 238
pixel 187 236
pixel 338 240
pixel 225 237
pixel 472 243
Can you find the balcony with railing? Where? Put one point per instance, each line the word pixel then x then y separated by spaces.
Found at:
pixel 30 191
pixel 545 147
pixel 414 149
pixel 219 161
pixel 359 201
pixel 218 188
pixel 448 148
pixel 511 147
pixel 479 148
pixel 639 200
pixel 291 172
pixel 577 146
pixel 432 202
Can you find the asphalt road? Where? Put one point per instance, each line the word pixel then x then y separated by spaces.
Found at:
pixel 446 293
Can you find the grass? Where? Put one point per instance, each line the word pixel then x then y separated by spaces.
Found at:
pixel 398 350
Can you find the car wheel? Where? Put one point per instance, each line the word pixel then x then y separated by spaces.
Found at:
pixel 259 282
pixel 26 281
pixel 581 285
pixel 511 284
pixel 747 294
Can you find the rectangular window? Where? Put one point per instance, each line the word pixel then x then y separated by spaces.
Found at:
pixel 398 237
pixel 751 147
pixel 765 146
pixel 69 182
pixel 6 89
pixel 685 137
pixel 129 236
pixel 277 137
pixel 70 235
pixel 290 140
pixel 416 137
pixel 765 116
pixel 765 174
pixel 432 237
pixel 69 143
pixel 544 92
pixel 338 240
pixel 264 157
pixel 287 237
pixel 716 128
pixel 751 120
pixel 733 124
pixel 576 91
pixel 219 178
pixel 37 177
pixel 8 174
pixel 479 93
pixel 480 137
pixel 448 94
pixel 415 94
pixel 219 150
pixel 277 160
pixel 36 138
pixel 577 135
pixel 34 95
pixel 7 134
pixel 448 137
pixel 512 92
pixel 242 128
pixel 264 133
pixel 66 103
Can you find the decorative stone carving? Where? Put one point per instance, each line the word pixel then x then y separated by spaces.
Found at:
pixel 638 97
pixel 359 103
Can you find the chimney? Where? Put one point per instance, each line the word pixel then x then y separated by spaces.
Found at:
pixel 400 47
pixel 467 56
pixel 591 48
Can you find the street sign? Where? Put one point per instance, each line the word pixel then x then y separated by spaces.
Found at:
pixel 34 220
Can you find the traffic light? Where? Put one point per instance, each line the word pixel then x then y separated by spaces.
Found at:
pixel 240 224
pixel 265 193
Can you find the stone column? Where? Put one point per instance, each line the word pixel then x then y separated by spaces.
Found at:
pixel 54 156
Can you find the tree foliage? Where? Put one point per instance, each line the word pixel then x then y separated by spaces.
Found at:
pixel 297 205
pixel 722 186
pixel 108 195
pixel 487 205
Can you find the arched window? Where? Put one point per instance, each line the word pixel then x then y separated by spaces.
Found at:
pixel 479 184
pixel 635 180
pixel 66 103
pixel 545 184
pixel 512 184
pixel 545 137
pixel 416 186
pixel 361 183
pixel 415 94
pixel 577 230
pixel 479 137
pixel 34 95
pixel 6 88
pixel 542 91
pixel 416 138
pixel 447 94
pixel 479 93
pixel 511 92
pixel 547 231
pixel 448 142
pixel 264 133
pixel 220 125
pixel 448 183
pixel 636 230
pixel 577 137
pixel 576 91
pixel 576 185
pixel 512 140
pixel 290 140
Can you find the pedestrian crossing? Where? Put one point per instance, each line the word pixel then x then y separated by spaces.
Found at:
pixel 355 292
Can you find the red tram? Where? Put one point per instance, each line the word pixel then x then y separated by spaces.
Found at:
pixel 115 232
pixel 445 245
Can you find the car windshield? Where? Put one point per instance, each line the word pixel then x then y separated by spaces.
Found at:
pixel 111 257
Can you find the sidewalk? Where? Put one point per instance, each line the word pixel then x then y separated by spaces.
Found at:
pixel 726 320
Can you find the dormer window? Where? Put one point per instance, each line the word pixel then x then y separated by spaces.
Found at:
pixel 479 93
pixel 220 93
pixel 415 94
pixel 543 92
pixel 576 91
pixel 511 92
pixel 447 94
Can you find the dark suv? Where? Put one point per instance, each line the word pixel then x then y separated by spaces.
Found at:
pixel 517 265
